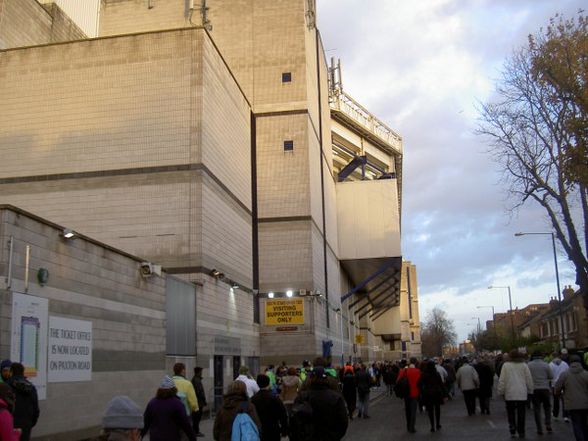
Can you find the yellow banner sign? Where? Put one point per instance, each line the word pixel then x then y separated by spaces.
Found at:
pixel 284 311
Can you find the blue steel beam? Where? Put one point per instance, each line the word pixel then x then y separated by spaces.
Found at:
pixel 368 280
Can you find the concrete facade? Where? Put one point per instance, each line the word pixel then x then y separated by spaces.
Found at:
pixel 92 282
pixel 209 142
pixel 27 23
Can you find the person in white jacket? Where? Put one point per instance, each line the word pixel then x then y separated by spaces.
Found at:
pixel 515 384
pixel 558 367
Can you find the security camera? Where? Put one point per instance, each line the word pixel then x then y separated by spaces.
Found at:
pixel 149 269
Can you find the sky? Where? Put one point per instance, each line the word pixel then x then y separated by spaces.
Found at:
pixel 423 67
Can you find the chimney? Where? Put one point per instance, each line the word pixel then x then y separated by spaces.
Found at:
pixel 568 292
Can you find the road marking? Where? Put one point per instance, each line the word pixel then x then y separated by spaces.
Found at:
pixel 491 424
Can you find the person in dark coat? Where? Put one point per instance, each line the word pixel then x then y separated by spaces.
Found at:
pixel 364 383
pixel 201 397
pixel 349 389
pixel 235 401
pixel 432 393
pixel 271 411
pixel 26 408
pixel 165 416
pixel 329 415
pixel 486 375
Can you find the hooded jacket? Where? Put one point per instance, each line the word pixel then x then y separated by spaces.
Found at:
pixel 26 409
pixel 574 383
pixel 558 366
pixel 329 414
pixel 223 423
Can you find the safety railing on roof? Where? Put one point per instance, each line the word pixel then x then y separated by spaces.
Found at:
pixel 347 105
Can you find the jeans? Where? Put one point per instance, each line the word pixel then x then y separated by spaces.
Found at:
pixel 541 398
pixel 363 404
pixel 557 399
pixel 579 418
pixel 410 408
pixel 515 411
pixel 469 397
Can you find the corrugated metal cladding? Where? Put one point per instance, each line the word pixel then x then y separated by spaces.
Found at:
pixel 180 306
pixel 83 12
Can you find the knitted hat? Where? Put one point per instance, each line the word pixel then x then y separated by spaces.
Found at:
pixel 5 364
pixel 167 383
pixel 122 413
pixel 575 359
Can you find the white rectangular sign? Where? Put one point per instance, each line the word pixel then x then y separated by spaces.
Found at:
pixel 70 350
pixel 28 343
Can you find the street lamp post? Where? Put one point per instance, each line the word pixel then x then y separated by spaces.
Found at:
pixel 493 322
pixel 512 330
pixel 561 319
pixel 342 346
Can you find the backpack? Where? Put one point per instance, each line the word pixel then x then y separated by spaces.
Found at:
pixel 301 424
pixel 244 428
pixel 184 399
pixel 402 387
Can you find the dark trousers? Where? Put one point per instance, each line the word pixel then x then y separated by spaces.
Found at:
pixel 196 417
pixel 469 397
pixel 25 434
pixel 515 410
pixel 484 404
pixel 434 412
pixel 557 399
pixel 410 408
pixel 579 423
pixel 541 398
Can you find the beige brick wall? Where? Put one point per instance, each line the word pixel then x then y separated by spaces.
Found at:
pixel 23 23
pixel 226 122
pixel 285 256
pixel 98 105
pixel 91 283
pixel 282 177
pixel 27 23
pixel 129 16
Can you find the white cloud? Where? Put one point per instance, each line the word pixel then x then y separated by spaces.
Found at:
pixel 421 67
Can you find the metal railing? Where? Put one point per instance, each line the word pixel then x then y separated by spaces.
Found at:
pixel 347 105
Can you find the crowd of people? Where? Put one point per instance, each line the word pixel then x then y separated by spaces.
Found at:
pixel 316 402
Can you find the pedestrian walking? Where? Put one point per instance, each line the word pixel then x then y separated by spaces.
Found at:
pixel 558 367
pixel 486 376
pixel 5 370
pixel 165 417
pixel 26 406
pixel 574 385
pixel 186 391
pixel 270 410
pixel 250 384
pixel 515 384
pixel 290 386
pixel 122 420
pixel 327 415
pixel 412 375
pixel 468 381
pixel 364 383
pixel 200 398
pixel 234 402
pixel 7 430
pixel 349 389
pixel 432 391
pixel 542 376
pixel 450 381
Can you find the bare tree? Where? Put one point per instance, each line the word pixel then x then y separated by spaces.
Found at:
pixel 533 130
pixel 437 332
